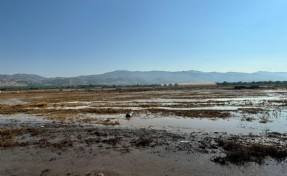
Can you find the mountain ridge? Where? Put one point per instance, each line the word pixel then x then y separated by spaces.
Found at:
pixel 125 77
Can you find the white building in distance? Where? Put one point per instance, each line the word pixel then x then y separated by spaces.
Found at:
pixel 190 84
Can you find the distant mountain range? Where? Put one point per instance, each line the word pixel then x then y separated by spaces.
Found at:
pixel 123 77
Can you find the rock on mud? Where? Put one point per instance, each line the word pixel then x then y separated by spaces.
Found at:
pixel 129 114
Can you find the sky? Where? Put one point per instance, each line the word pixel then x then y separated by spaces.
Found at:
pixel 81 37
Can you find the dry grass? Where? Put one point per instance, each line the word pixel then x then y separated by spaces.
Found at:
pixel 40 105
pixel 248 119
pixel 251 110
pixel 240 154
pixel 8 135
pixel 62 145
pixel 193 113
pixel 8 138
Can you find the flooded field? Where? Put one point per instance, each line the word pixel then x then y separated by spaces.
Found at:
pixel 192 131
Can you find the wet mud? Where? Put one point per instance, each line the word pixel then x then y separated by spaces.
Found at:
pixel 173 132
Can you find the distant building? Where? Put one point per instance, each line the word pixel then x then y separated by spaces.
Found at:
pixel 190 84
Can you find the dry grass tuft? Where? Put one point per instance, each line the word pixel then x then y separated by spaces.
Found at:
pixel 240 154
pixel 8 135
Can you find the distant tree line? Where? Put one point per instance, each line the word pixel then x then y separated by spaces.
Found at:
pixel 255 83
pixel 39 87
pixel 87 87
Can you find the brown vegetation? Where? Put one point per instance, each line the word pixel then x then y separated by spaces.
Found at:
pixel 239 154
pixel 193 113
pixel 8 135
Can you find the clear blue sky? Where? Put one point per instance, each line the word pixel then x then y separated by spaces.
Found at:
pixel 80 37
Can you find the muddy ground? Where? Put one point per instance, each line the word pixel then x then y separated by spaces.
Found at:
pixel 195 131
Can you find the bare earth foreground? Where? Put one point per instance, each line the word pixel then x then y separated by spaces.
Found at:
pixel 195 131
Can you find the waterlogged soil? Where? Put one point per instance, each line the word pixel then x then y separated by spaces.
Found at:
pixel 198 131
pixel 64 149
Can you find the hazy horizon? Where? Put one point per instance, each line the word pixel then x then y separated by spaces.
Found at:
pixel 70 38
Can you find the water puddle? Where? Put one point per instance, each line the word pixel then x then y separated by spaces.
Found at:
pixel 255 99
pixel 84 107
pixel 22 119
pixel 227 108
pixel 235 125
